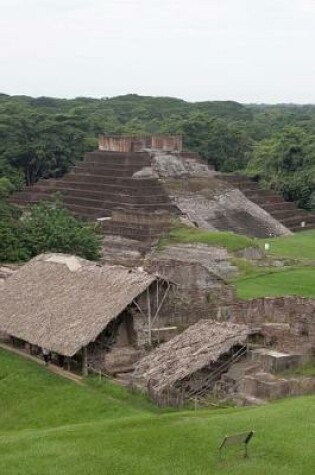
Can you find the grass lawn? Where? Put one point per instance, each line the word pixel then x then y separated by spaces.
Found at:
pixel 296 281
pixel 54 427
pixel 298 246
pixel 232 241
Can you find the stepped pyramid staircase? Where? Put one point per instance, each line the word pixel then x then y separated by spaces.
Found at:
pixel 286 212
pixel 102 188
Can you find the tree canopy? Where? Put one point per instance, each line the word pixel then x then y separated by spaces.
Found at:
pixel 43 137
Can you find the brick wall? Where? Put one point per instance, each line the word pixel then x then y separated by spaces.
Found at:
pixel 167 143
pixel 288 323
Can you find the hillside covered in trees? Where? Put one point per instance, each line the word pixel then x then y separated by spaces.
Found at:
pixel 43 137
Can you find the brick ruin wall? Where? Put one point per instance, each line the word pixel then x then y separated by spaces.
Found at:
pixel 171 143
pixel 197 293
pixel 288 323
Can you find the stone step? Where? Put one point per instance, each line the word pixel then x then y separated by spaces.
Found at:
pixel 274 207
pixel 118 197
pixel 111 164
pixel 247 187
pixel 87 212
pixel 265 199
pixel 297 219
pixel 136 232
pixel 137 187
pixel 285 212
pixel 282 214
pixel 123 203
pixel 29 197
pixel 308 227
pixel 97 179
pixel 103 171
pixel 141 159
pixel 237 179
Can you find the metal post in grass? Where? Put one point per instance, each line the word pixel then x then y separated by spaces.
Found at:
pixel 243 438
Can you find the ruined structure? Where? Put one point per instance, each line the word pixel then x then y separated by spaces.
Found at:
pixel 190 364
pixel 164 143
pixel 136 186
pixel 286 323
pixel 108 317
pixel 83 311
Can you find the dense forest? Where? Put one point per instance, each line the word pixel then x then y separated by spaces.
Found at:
pixel 43 137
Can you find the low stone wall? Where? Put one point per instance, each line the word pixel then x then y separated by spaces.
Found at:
pixel 288 323
pixel 266 386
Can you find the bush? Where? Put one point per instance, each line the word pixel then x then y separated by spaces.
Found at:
pixel 47 227
pixel 50 227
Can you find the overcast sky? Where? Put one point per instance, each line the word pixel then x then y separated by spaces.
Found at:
pixel 243 50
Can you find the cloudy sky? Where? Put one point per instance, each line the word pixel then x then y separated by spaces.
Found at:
pixel 244 50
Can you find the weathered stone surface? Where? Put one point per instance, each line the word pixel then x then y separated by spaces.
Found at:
pixel 294 316
pixel 251 253
pixel 229 211
pixel 273 361
pixel 214 259
pixel 146 172
pixel 266 386
pixel 175 166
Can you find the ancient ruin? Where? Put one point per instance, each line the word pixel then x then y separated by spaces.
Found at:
pixel 162 319
pixel 82 310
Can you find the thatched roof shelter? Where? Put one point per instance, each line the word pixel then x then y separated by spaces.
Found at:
pixel 63 302
pixel 197 347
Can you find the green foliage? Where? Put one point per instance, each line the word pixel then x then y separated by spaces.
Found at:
pixel 286 163
pixel 231 241
pixel 50 425
pixel 10 233
pixel 43 137
pixel 50 227
pixel 6 187
pixel 45 227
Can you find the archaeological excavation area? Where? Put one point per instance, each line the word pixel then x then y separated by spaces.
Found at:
pixel 157 316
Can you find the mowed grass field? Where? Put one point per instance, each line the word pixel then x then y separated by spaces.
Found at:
pixel 54 427
pixel 299 246
pixel 296 278
pixel 296 281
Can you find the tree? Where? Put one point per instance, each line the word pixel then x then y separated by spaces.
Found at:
pixel 50 227
pixel 286 163
pixel 46 227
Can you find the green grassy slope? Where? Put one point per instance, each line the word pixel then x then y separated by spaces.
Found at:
pixel 298 246
pixel 297 277
pixel 295 281
pixel 52 426
pixel 233 242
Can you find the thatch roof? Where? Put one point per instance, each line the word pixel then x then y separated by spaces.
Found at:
pixel 197 347
pixel 63 302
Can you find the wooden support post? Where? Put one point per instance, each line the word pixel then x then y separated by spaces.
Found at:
pixel 84 361
pixel 68 365
pixel 149 317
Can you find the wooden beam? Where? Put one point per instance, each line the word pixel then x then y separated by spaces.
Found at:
pixel 84 361
pixel 139 308
pixel 161 303
pixel 149 317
